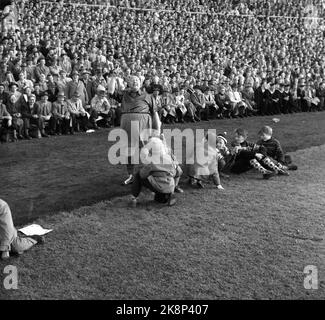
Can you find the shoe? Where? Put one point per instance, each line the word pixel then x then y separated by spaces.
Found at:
pixel 179 190
pixel 129 180
pixel 72 133
pixel 292 167
pixel 5 255
pixel 44 135
pixel 283 173
pixel 269 175
pixel 171 200
pixel 20 137
pixel 28 137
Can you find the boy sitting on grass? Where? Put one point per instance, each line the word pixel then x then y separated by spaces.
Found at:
pixel 223 154
pixel 274 150
pixel 249 155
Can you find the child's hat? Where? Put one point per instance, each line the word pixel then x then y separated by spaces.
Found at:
pixel 223 137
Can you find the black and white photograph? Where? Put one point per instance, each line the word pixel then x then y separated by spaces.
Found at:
pixel 162 150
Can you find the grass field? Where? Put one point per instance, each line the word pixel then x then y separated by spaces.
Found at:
pixel 43 177
pixel 251 241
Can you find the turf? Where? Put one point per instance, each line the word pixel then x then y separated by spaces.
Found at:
pixel 43 177
pixel 251 241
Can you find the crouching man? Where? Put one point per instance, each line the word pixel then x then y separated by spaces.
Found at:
pixel 160 173
pixel 10 241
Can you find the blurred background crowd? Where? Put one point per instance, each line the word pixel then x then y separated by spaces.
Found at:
pixel 64 64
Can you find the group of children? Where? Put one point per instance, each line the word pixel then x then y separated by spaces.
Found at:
pixel 162 177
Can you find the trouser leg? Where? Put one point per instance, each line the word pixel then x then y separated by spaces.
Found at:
pixel 138 183
pixel 256 165
pixel 7 230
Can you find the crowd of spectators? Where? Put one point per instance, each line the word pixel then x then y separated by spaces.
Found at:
pixel 64 65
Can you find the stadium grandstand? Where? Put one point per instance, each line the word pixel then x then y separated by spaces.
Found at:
pixel 201 59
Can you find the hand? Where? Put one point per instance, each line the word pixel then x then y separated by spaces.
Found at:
pixel 35 116
pixel 236 149
pixel 258 156
pixel 220 187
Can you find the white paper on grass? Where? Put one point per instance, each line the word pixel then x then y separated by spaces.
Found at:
pixel 34 230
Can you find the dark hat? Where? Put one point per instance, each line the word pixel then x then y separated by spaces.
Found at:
pixel 12 84
pixel 44 93
pixel 75 72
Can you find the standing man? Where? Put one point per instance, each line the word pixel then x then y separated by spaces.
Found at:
pixel 77 86
pixel 139 116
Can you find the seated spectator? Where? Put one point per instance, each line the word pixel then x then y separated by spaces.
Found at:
pixel 5 121
pixel 198 100
pixel 100 107
pixel 223 103
pixel 61 115
pixel 181 109
pixel 4 95
pixel 78 115
pixel 30 117
pixel 168 110
pixel 210 103
pixel 44 113
pixel 76 85
pixel 237 105
pixel 13 107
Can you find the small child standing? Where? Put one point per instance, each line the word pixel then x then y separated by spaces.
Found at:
pixel 205 167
